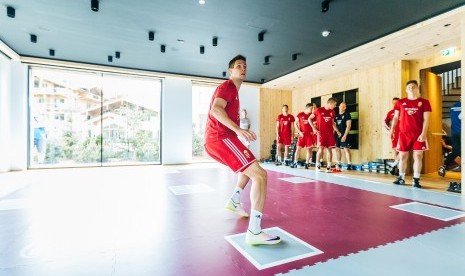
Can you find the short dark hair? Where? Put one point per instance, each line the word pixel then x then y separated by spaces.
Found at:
pixel 238 57
pixel 285 105
pixel 395 99
pixel 308 105
pixel 412 81
pixel 333 100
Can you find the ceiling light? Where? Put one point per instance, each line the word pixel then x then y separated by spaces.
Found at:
pixel 151 35
pixel 263 80
pixel 33 38
pixel 162 48
pixel 110 58
pixel 202 50
pixel 447 25
pixel 180 40
pixel 261 35
pixel 435 45
pixel 94 5
pixel 325 6
pixel 267 60
pixel 325 33
pixel 224 73
pixel 10 12
pixel 201 2
pixel 51 52
pixel 215 41
pixel 117 54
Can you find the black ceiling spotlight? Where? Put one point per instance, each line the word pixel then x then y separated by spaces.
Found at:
pixel 151 35
pixel 110 58
pixel 202 49
pixel 51 52
pixel 325 6
pixel 10 12
pixel 261 35
pixel 294 56
pixel 263 80
pixel 267 60
pixel 117 54
pixel 94 5
pixel 33 38
pixel 215 41
pixel 224 73
pixel 162 48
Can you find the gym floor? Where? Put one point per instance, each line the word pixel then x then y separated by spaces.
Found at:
pixel 171 220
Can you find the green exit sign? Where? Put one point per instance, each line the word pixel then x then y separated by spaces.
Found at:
pixel 448 52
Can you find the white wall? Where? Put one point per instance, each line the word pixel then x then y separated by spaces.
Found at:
pixel 176 121
pixel 249 99
pixel 13 115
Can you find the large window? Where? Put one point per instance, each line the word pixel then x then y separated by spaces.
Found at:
pixel 201 97
pixel 82 118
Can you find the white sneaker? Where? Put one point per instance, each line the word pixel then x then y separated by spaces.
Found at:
pixel 236 208
pixel 261 238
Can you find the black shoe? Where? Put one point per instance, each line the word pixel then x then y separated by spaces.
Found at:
pixel 452 186
pixel 442 171
pixel 416 183
pixel 349 167
pixel 306 166
pixel 278 164
pixel 393 170
pixel 399 181
pixel 294 165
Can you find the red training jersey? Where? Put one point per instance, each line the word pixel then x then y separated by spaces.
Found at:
pixel 214 130
pixel 411 114
pixel 285 123
pixel 388 120
pixel 304 125
pixel 324 119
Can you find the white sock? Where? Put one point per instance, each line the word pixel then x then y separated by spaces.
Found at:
pixel 236 196
pixel 255 221
pixel 416 175
pixel 402 175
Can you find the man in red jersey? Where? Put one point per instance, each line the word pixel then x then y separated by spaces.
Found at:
pixel 412 114
pixel 395 138
pixel 222 144
pixel 304 130
pixel 325 128
pixel 284 133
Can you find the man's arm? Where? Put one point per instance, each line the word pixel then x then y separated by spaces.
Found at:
pixel 422 136
pixel 315 130
pixel 297 127
pixel 348 126
pixel 218 112
pixel 394 122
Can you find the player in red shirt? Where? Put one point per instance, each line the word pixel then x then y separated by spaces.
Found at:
pixel 412 114
pixel 325 128
pixel 284 133
pixel 221 143
pixel 387 125
pixel 304 130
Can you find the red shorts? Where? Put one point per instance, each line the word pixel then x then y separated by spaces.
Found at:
pixel 230 152
pixel 326 140
pixel 394 140
pixel 285 139
pixel 306 141
pixel 408 141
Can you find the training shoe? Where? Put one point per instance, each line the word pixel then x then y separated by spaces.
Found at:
pixel 349 167
pixel 318 168
pixel 236 208
pixel 416 183
pixel 337 167
pixel 294 165
pixel 442 171
pixel 393 170
pixel 261 238
pixel 278 163
pixel 399 181
pixel 328 169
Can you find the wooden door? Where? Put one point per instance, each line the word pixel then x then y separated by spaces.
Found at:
pixel 431 89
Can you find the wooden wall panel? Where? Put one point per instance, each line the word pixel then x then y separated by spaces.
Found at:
pixel 271 102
